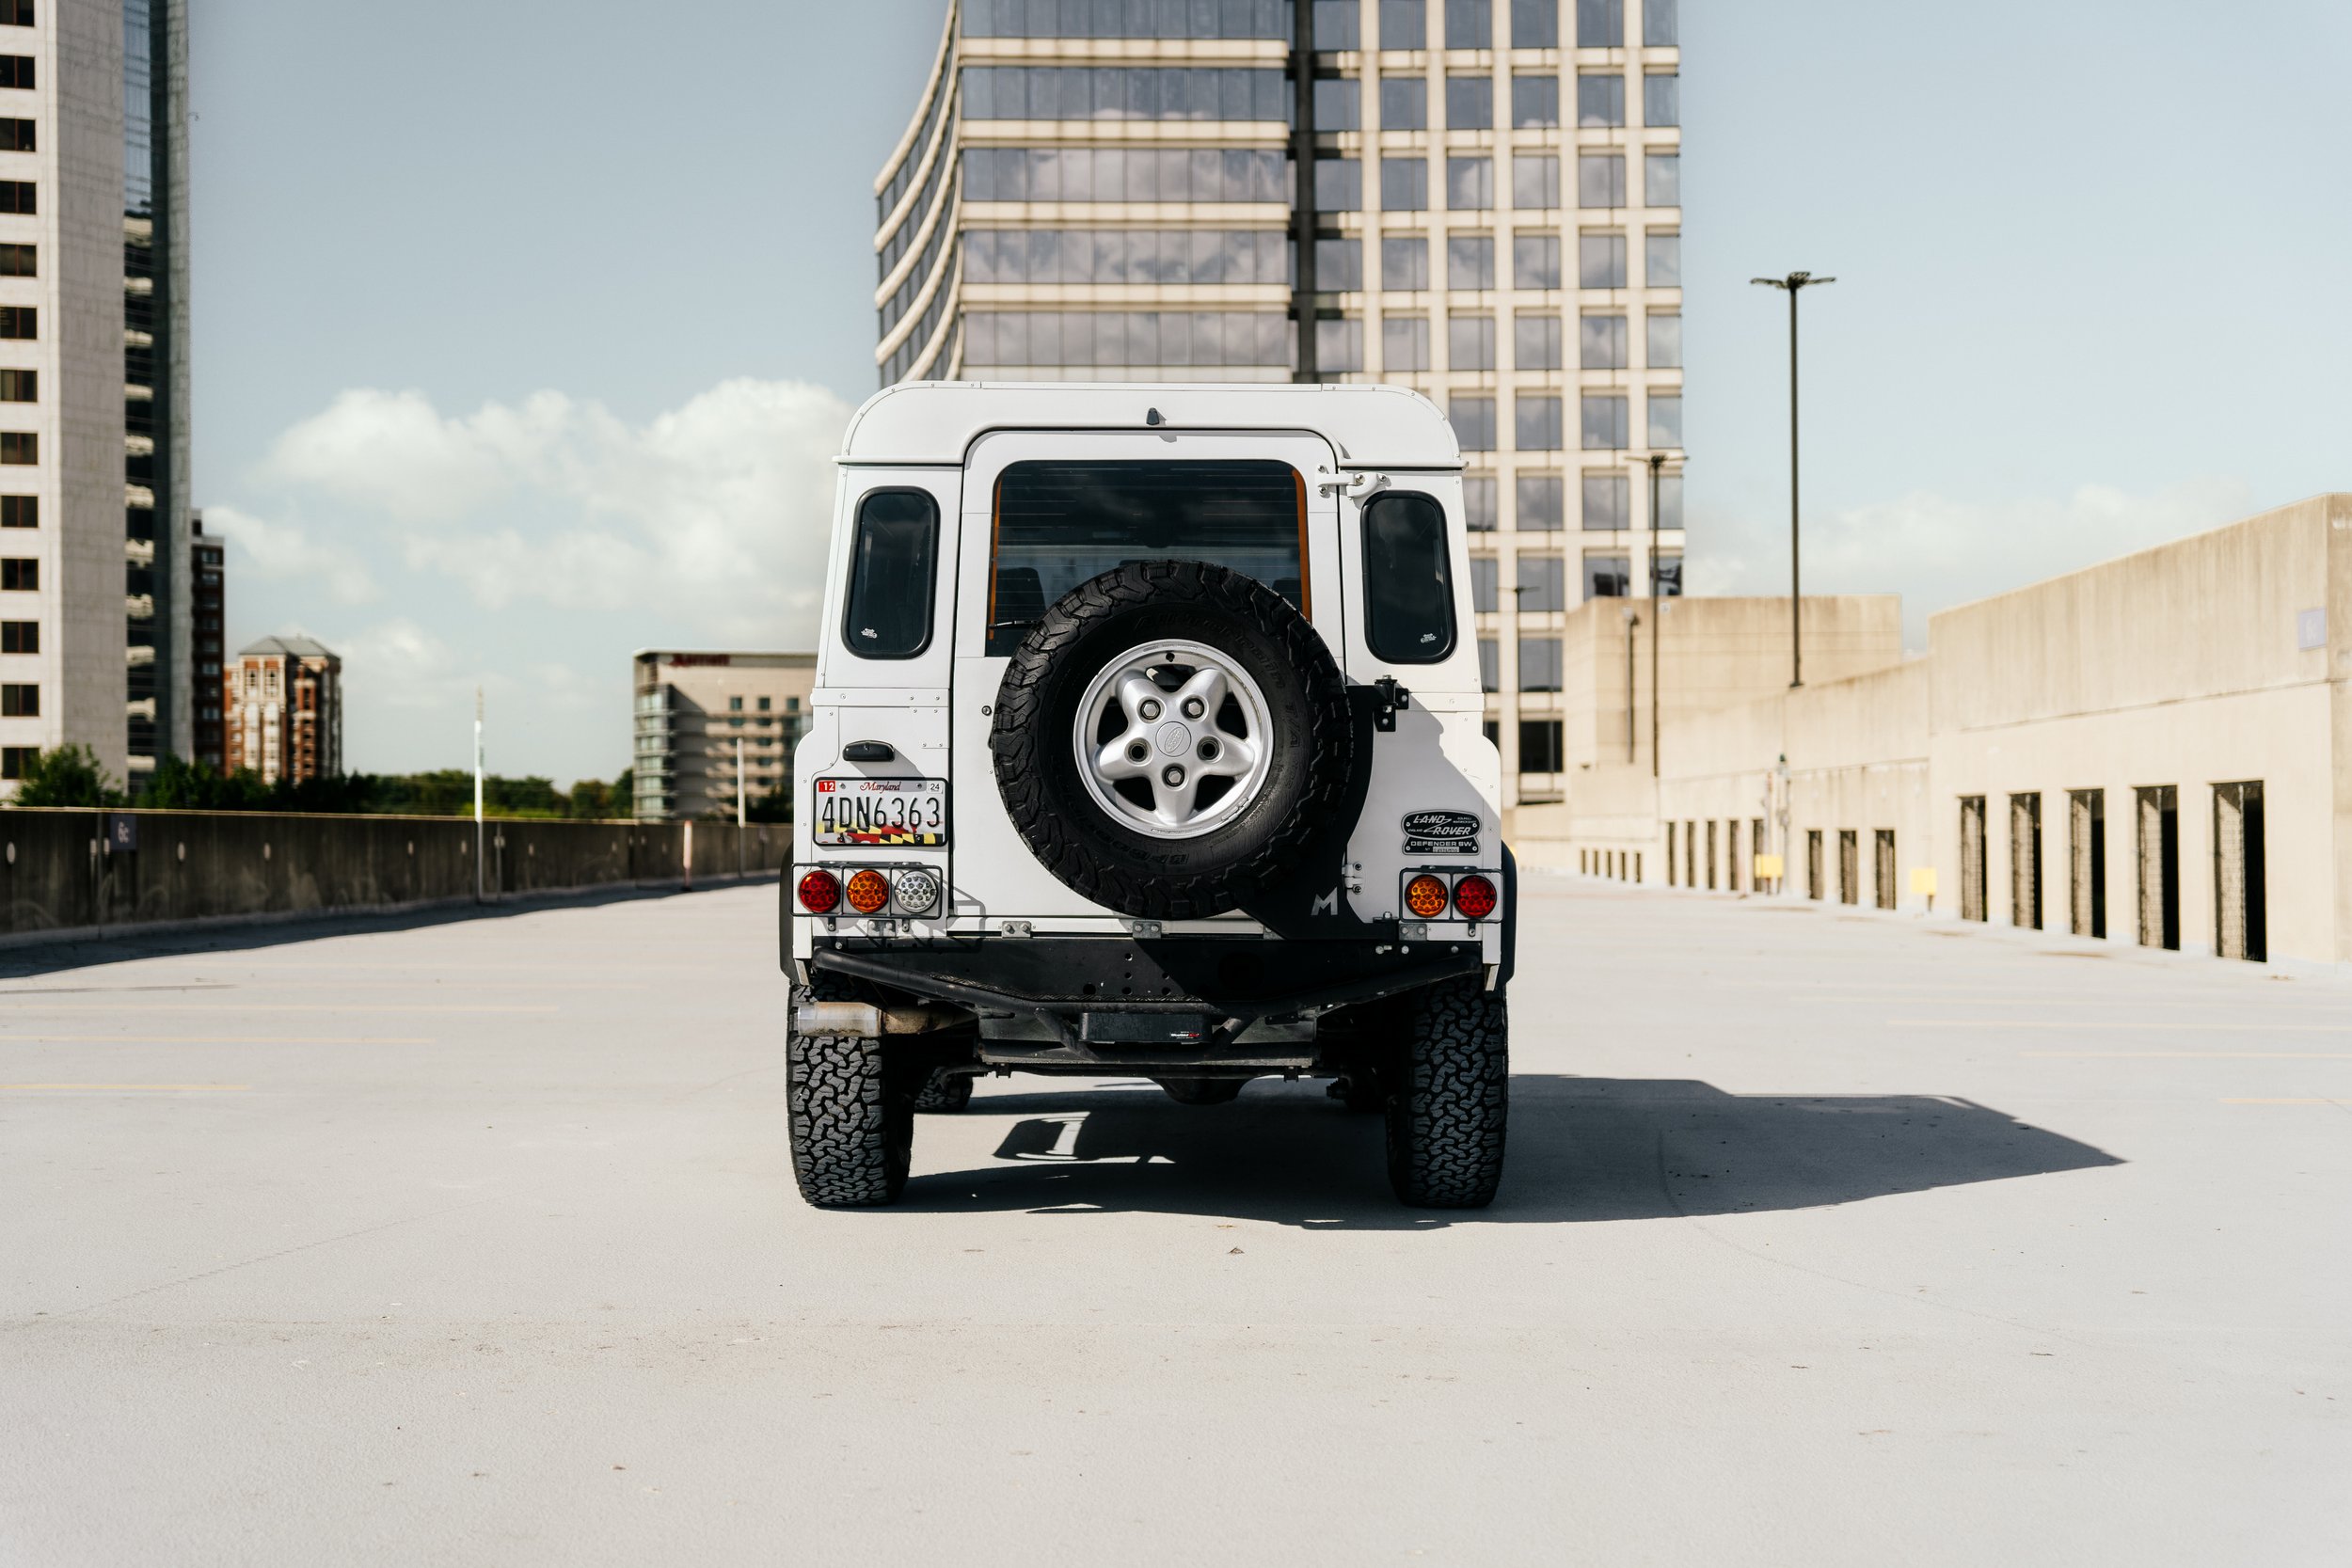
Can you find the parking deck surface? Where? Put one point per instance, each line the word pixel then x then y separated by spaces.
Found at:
pixel 1827 1236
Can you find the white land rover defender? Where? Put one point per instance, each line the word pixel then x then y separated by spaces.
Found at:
pixel 1147 742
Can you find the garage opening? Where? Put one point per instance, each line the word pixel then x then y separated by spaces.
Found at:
pixel 1671 866
pixel 1690 853
pixel 1710 854
pixel 1731 854
pixel 1849 867
pixel 1972 899
pixel 1755 844
pixel 1882 867
pixel 2159 865
pixel 2024 861
pixel 2239 918
pixel 2086 861
pixel 1813 862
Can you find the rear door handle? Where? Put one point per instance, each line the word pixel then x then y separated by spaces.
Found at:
pixel 868 751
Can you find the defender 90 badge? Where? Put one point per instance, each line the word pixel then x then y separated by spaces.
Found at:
pixel 1440 833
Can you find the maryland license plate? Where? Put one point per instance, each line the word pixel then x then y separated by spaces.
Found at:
pixel 881 811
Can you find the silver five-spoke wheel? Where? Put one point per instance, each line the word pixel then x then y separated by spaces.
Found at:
pixel 1173 739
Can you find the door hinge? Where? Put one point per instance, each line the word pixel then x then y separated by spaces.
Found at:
pixel 1392 696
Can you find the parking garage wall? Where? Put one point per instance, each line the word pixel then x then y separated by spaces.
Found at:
pixel 65 870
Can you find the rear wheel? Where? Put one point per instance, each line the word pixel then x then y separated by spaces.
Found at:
pixel 1447 1105
pixel 851 1110
pixel 943 1092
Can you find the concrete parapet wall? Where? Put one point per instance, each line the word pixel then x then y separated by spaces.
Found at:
pixel 64 870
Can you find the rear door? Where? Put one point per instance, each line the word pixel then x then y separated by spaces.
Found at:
pixel 1013 567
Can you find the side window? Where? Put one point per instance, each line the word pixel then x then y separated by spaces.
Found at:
pixel 1408 588
pixel 891 566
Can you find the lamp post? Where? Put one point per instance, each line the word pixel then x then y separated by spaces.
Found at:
pixel 478 847
pixel 1794 285
pixel 1656 463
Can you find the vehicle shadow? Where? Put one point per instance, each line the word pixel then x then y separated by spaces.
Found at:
pixel 1582 1149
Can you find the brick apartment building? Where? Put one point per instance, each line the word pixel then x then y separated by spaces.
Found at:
pixel 283 707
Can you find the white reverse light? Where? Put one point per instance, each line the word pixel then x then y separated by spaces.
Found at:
pixel 917 890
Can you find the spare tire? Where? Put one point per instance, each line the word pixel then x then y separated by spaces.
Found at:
pixel 1171 736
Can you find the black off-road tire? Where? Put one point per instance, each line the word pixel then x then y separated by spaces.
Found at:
pixel 1036 770
pixel 851 1110
pixel 1449 1104
pixel 943 1093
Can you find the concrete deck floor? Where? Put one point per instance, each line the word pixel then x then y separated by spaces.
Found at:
pixel 1827 1238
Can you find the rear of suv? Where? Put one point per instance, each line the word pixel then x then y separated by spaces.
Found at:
pixel 1148 741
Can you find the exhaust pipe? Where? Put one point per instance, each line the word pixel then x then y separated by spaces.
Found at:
pixel 864 1021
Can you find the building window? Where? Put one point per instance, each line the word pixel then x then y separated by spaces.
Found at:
pixel 1335 23
pixel 1669 500
pixel 19 261
pixel 1540 497
pixel 1666 573
pixel 1404 343
pixel 1338 104
pixel 1599 101
pixel 1470 185
pixel 1540 748
pixel 20 574
pixel 1403 104
pixel 1662 100
pixel 1537 424
pixel 1471 342
pixel 1470 261
pixel 734 704
pixel 1607 576
pixel 19 320
pixel 1404 25
pixel 17 196
pixel 16 70
pixel 19 512
pixel 1665 421
pixel 1339 344
pixel 1541 583
pixel 17 761
pixel 1540 664
pixel 1124 174
pixel 19 700
pixel 1405 184
pixel 1486 583
pixel 1339 265
pixel 1599 23
pixel 1536 340
pixel 20 385
pixel 1601 342
pixel 1106 338
pixel 1605 422
pixel 20 636
pixel 1127 256
pixel 1470 103
pixel 1534 23
pixel 1489 665
pixel 1536 182
pixel 1473 421
pixel 1658 23
pixel 1535 103
pixel 1115 19
pixel 1469 23
pixel 1662 260
pixel 1535 261
pixel 1607 501
pixel 1600 179
pixel 1665 343
pixel 1662 180
pixel 1405 264
pixel 1479 498
pixel 1600 261
pixel 1339 184
pixel 16 135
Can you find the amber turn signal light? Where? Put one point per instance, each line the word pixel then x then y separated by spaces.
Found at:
pixel 868 891
pixel 1426 897
pixel 1475 898
pixel 820 892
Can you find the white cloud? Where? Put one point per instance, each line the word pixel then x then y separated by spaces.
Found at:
pixel 717 513
pixel 287 550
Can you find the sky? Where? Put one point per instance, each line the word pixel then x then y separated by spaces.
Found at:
pixel 524 344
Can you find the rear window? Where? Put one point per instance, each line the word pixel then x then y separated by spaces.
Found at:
pixel 889 612
pixel 1058 524
pixel 1408 585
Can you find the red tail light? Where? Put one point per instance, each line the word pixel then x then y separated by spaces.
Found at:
pixel 1474 897
pixel 1425 895
pixel 821 892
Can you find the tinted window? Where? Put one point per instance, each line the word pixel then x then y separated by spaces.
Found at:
pixel 1408 588
pixel 890 574
pixel 1060 524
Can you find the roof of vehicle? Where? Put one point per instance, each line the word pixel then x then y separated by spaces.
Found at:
pixel 937 421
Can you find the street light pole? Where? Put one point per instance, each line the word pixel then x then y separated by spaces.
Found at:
pixel 1656 463
pixel 478 846
pixel 1794 285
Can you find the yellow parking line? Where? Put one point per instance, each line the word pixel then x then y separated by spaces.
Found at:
pixel 7 1038
pixel 175 1088
pixel 2195 1056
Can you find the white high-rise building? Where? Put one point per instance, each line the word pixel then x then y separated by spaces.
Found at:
pixel 94 552
pixel 1477 198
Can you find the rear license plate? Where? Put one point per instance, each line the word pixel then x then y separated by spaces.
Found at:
pixel 881 811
